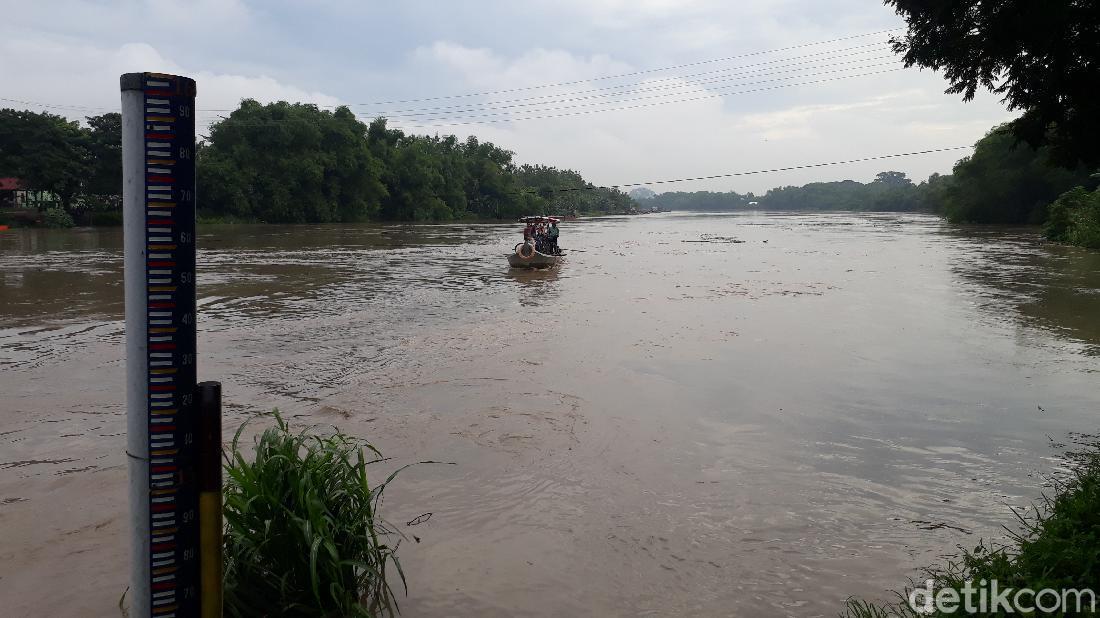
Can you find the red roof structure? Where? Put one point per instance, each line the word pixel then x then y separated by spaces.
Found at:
pixel 11 184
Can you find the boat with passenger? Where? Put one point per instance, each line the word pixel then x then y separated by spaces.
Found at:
pixel 539 248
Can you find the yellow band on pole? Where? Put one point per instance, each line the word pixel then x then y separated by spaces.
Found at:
pixel 210 553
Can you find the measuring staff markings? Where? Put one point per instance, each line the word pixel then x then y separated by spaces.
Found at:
pixel 169 277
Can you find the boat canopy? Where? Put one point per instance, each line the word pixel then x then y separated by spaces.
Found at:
pixel 539 219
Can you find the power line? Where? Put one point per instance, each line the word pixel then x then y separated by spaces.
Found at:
pixel 817 57
pixel 788 168
pixel 56 106
pixel 270 122
pixel 490 111
pixel 635 73
pixel 573 82
pixel 649 84
pixel 823 56
pixel 646 105
pixel 633 88
pixel 749 173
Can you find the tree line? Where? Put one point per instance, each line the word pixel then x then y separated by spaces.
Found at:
pixel 889 191
pixel 1004 181
pixel 296 163
pixel 80 167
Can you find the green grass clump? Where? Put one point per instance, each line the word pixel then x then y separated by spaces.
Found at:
pixel 302 532
pixel 1058 548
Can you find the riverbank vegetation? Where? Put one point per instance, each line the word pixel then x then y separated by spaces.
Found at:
pixel 73 172
pixel 1003 182
pixel 1074 218
pixel 892 191
pixel 1041 58
pixel 303 535
pixel 294 163
pixel 1057 548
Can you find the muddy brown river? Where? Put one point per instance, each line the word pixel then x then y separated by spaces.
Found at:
pixel 661 426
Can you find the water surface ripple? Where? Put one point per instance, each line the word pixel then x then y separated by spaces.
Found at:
pixel 672 423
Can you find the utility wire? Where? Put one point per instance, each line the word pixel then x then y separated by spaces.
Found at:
pixel 443 124
pixel 645 105
pixel 786 169
pixel 494 111
pixel 276 121
pixel 635 73
pixel 828 53
pixel 651 83
pixel 56 106
pixel 789 168
pixel 643 86
pixel 685 85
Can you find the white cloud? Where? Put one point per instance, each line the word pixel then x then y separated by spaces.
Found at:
pixel 75 80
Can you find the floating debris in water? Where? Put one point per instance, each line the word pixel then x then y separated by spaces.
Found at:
pixel 717 239
pixel 927 525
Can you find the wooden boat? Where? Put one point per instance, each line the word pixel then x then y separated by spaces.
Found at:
pixel 526 256
pixel 535 260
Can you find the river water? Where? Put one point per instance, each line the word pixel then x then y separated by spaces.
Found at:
pixel 661 426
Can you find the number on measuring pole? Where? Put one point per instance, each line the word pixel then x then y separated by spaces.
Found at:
pixel 169 276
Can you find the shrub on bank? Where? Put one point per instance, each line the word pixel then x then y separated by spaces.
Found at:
pixel 1074 218
pixel 57 218
pixel 303 536
pixel 1058 549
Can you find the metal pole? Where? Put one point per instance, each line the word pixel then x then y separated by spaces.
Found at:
pixel 158 147
pixel 209 397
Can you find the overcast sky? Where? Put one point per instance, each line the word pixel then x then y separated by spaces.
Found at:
pixel 690 121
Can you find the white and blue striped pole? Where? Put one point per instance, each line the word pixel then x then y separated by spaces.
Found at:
pixel 158 166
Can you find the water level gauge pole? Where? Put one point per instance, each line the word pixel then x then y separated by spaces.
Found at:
pixel 158 197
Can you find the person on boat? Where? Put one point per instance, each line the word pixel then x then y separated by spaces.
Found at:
pixel 540 238
pixel 529 232
pixel 552 238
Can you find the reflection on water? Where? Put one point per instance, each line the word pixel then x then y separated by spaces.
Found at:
pixel 659 425
pixel 1046 286
pixel 534 286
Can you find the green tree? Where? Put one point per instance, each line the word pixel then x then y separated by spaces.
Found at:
pixel 289 163
pixel 931 194
pixel 1002 182
pixel 48 152
pixel 894 180
pixel 295 163
pixel 1042 57
pixel 102 189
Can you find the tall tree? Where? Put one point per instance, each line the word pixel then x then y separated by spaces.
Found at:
pixel 1000 183
pixel 49 152
pixel 290 163
pixel 1043 57
pixel 105 147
